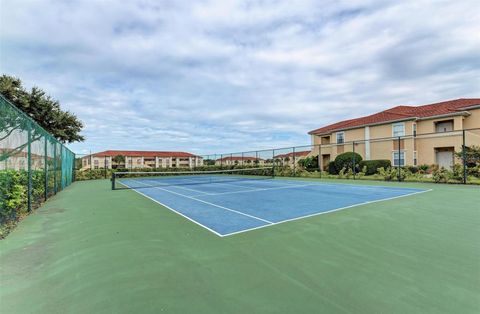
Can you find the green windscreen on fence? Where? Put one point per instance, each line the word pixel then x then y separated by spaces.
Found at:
pixel 33 164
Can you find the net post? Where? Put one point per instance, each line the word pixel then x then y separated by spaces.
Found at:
pixel 45 171
pixel 29 167
pixel 113 180
pixel 464 157
pixel 353 157
pixel 398 161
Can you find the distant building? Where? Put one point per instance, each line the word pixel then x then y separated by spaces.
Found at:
pixel 15 160
pixel 141 159
pixel 239 160
pixel 291 158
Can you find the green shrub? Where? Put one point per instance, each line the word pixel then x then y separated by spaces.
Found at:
pixel 13 198
pixel 412 169
pixel 390 174
pixel 423 168
pixel 309 163
pixel 457 173
pixel 374 165
pixel 441 175
pixel 332 169
pixel 345 160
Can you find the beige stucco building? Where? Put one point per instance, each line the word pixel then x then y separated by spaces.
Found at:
pixel 405 135
pixel 141 159
pixel 291 158
pixel 239 160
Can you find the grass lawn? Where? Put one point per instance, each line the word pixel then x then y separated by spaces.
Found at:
pixel 93 250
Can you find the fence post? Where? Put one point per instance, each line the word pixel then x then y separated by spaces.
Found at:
pixel 464 157
pixel 398 161
pixel 45 171
pixel 242 159
pixel 273 162
pixel 29 167
pixel 353 157
pixel 319 159
pixel 55 168
pixel 294 163
pixel 105 166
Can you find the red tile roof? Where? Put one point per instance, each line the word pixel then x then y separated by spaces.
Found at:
pixel 139 153
pixel 403 113
pixel 297 154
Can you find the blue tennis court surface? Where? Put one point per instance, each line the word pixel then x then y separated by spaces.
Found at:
pixel 227 208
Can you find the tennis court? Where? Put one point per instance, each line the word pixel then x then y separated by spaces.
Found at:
pixel 235 201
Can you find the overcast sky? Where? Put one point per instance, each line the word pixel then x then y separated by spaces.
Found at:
pixel 222 76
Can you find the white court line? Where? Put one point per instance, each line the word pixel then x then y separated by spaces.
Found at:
pixel 229 184
pixel 330 211
pixel 262 189
pixel 173 210
pixel 271 223
pixel 208 203
pixel 175 186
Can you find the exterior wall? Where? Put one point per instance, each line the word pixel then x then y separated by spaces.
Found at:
pixel 142 162
pixel 229 162
pixel 21 163
pixel 425 146
pixel 473 121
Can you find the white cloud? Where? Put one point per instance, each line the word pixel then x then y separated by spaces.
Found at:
pixel 220 76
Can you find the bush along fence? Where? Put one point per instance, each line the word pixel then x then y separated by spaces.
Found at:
pixel 442 157
pixel 33 165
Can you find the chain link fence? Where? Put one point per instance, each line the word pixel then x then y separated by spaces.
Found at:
pixel 442 157
pixel 33 164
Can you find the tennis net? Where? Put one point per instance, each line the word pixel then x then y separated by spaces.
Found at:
pixel 136 180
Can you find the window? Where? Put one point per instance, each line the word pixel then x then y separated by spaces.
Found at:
pixel 398 129
pixel 95 162
pixel 325 140
pixel 139 160
pixel 395 158
pixel 340 137
pixel 414 129
pixel 414 158
pixel 444 126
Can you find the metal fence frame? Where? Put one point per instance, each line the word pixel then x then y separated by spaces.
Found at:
pixel 62 156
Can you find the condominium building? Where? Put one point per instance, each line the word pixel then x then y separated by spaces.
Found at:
pixel 291 158
pixel 406 135
pixel 239 160
pixel 140 159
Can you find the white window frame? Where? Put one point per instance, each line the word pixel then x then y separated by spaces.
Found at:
pixel 415 160
pixel 414 129
pixel 398 124
pixel 343 137
pixel 394 160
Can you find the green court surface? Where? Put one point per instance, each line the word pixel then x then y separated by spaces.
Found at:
pixel 93 250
